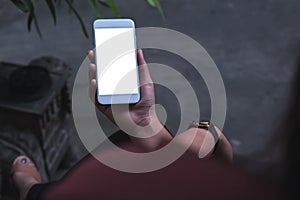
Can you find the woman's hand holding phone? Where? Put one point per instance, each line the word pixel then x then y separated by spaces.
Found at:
pixel 142 113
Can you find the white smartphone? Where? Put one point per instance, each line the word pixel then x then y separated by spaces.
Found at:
pixel 116 62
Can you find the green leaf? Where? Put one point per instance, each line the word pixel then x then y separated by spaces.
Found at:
pixel 159 8
pixel 31 14
pixel 156 4
pixel 33 18
pixel 151 3
pixel 21 5
pixel 52 10
pixel 103 3
pixel 95 8
pixel 70 4
pixel 36 24
pixel 29 21
pixel 114 9
pixel 57 2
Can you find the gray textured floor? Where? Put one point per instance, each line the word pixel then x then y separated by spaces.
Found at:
pixel 254 44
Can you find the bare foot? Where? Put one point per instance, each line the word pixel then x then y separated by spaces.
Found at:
pixel 24 175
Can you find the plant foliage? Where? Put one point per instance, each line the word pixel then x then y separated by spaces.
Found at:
pixel 28 7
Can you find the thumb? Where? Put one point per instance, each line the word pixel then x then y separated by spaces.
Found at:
pixel 145 77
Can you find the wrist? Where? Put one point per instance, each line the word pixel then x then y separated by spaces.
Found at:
pixel 153 136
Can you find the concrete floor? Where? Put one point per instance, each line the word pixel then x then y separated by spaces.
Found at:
pixel 254 44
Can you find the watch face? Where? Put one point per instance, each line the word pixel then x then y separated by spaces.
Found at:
pixel 202 125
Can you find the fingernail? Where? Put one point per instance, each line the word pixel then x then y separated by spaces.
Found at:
pixel 141 51
pixel 23 160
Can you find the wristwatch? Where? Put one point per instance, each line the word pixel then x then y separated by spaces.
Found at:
pixel 207 125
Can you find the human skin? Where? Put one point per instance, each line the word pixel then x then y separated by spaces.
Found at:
pixel 143 114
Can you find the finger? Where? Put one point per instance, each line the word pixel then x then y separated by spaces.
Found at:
pixel 224 148
pixel 145 77
pixel 91 56
pixel 92 90
pixel 92 71
pixel 92 94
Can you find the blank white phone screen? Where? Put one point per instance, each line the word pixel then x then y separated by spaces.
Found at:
pixel 116 61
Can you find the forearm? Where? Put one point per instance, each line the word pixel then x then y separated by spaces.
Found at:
pixel 154 136
pixel 203 144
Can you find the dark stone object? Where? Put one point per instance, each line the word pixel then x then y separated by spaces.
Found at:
pixel 35 117
pixel 30 83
